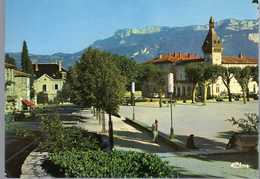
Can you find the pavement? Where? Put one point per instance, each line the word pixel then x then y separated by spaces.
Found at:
pixel 126 137
pixel 207 123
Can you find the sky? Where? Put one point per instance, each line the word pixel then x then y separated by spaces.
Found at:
pixel 68 26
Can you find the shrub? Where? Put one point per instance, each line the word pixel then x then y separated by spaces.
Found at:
pixel 114 164
pixel 58 138
pixel 248 125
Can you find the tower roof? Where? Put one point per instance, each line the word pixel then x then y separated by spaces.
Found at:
pixel 212 41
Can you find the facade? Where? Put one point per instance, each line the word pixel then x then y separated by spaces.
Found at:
pixel 17 88
pixel 22 88
pixel 213 54
pixel 49 79
pixel 9 88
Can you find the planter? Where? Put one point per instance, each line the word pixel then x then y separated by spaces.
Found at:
pixel 246 142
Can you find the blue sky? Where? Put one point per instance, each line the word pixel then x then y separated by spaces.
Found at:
pixel 51 26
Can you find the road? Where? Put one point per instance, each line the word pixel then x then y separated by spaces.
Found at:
pixel 207 123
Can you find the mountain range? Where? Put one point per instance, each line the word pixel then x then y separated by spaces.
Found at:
pixel 148 42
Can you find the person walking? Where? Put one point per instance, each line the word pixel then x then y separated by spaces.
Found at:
pixel 155 131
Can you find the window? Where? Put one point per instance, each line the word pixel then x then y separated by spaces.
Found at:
pixel 56 87
pixel 44 88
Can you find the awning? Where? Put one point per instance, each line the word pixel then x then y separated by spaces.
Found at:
pixel 28 103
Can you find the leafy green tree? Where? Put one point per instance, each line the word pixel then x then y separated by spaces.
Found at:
pixel 194 75
pixel 227 74
pixel 9 59
pixel 97 81
pixel 254 73
pixel 26 62
pixel 128 68
pixel 209 76
pixel 243 76
pixel 152 80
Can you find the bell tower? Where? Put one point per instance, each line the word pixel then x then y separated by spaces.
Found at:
pixel 212 46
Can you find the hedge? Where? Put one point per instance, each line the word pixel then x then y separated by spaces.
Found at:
pixel 91 163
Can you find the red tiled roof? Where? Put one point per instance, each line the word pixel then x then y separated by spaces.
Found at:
pixel 238 60
pixel 176 58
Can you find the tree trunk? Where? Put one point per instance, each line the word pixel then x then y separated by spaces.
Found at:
pixel 247 93
pixel 229 94
pixel 194 93
pixel 94 111
pixel 110 132
pixel 244 95
pixel 205 93
pixel 160 98
pixel 103 130
pixel 97 115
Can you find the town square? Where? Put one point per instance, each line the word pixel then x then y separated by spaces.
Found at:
pixel 144 94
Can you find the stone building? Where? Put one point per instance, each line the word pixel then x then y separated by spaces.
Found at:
pixel 17 88
pixel 213 54
pixel 22 89
pixel 49 79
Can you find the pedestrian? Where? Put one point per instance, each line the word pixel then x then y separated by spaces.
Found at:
pixel 190 142
pixel 155 131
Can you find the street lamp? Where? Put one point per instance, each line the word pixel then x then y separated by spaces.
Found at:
pixel 133 98
pixel 170 90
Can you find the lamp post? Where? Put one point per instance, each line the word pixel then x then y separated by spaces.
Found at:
pixel 170 90
pixel 133 98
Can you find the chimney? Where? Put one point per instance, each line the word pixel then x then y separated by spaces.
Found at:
pixel 36 67
pixel 60 66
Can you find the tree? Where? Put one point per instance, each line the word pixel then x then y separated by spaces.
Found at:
pixel 151 79
pixel 243 76
pixel 194 75
pixel 254 73
pixel 9 59
pixel 25 60
pixel 227 74
pixel 209 76
pixel 96 81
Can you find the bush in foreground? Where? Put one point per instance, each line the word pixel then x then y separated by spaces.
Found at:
pixel 114 164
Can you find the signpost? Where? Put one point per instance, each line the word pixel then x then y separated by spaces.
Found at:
pixel 170 90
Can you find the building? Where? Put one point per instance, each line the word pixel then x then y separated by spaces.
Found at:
pixel 17 88
pixel 49 79
pixel 22 89
pixel 9 88
pixel 213 54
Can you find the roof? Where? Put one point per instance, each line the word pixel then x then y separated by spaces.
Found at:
pixel 212 41
pixel 18 73
pixel 9 65
pixel 176 58
pixel 51 69
pixel 238 60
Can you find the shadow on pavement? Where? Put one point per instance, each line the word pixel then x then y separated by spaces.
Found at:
pixel 140 141
pixel 203 143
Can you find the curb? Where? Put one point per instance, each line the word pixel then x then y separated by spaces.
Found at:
pixel 176 144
